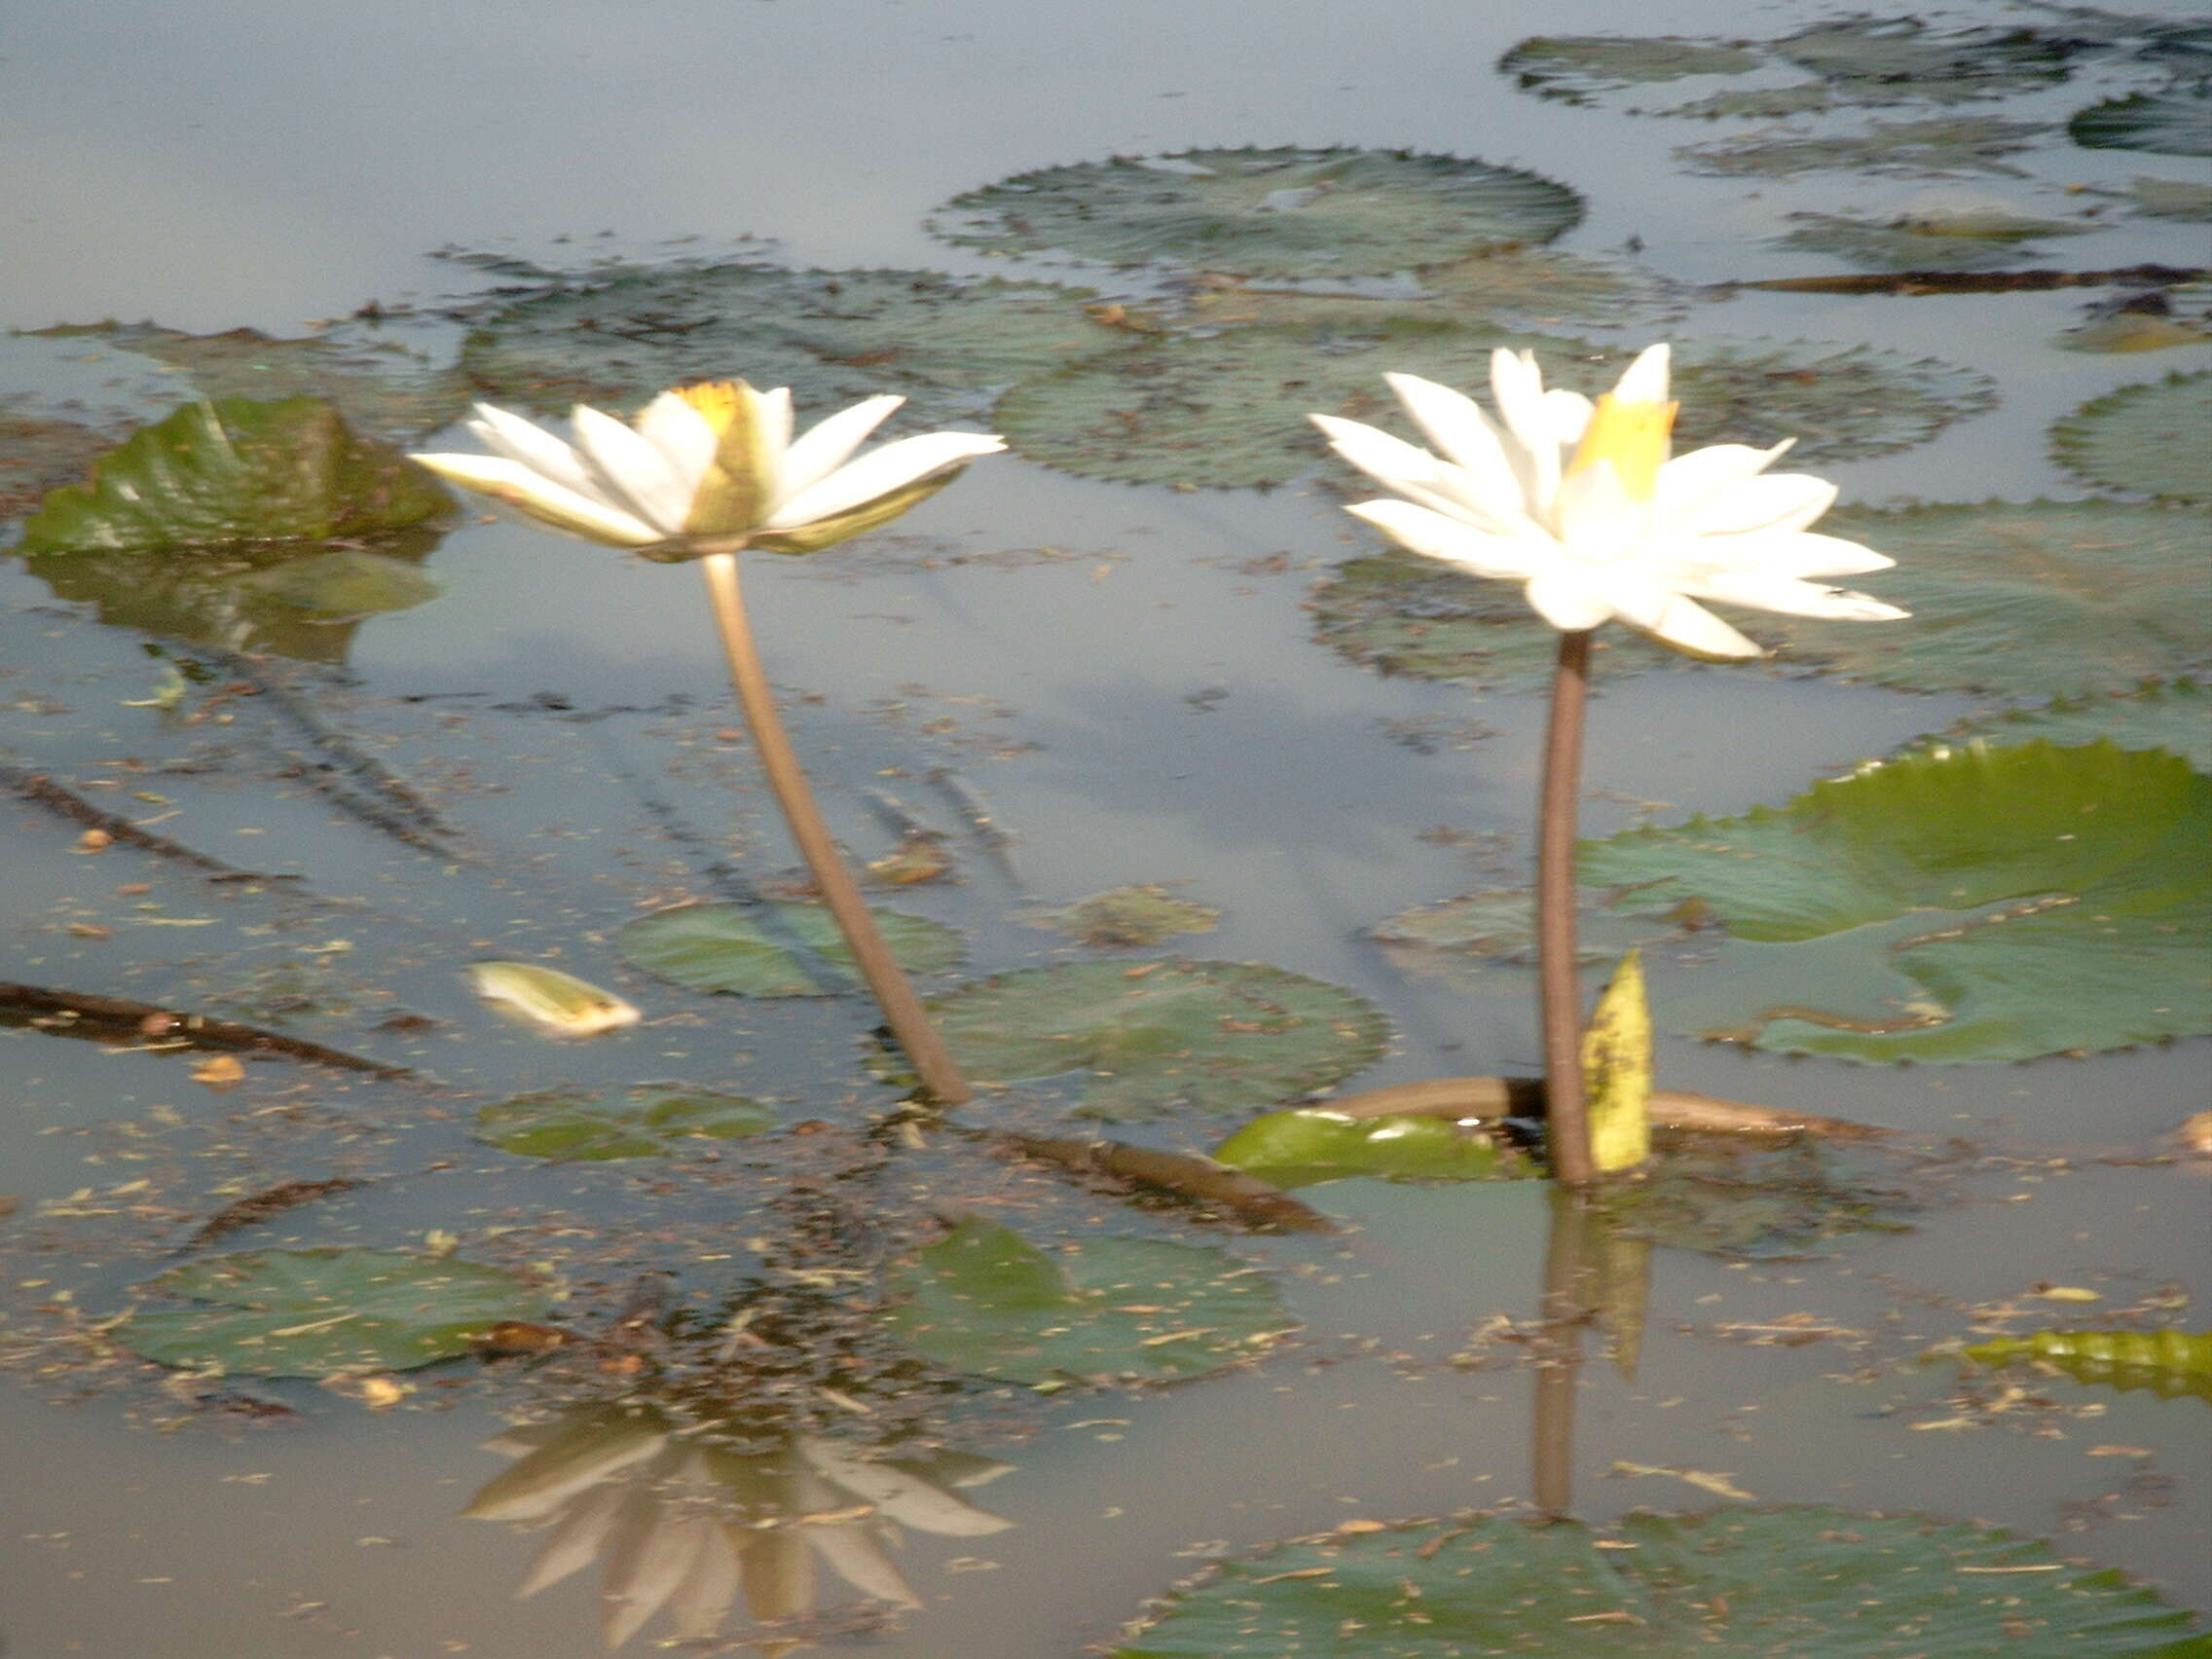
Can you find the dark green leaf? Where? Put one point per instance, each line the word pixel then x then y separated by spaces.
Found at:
pixel 2155 438
pixel 1748 1200
pixel 1311 1144
pixel 650 1120
pixel 2176 123
pixel 1571 68
pixel 1126 916
pixel 763 950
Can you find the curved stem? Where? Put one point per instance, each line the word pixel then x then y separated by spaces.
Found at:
pixel 909 1022
pixel 1560 993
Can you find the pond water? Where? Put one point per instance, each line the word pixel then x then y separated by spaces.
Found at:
pixel 1125 678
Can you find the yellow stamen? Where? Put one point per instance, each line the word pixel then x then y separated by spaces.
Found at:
pixel 1632 436
pixel 733 493
pixel 716 400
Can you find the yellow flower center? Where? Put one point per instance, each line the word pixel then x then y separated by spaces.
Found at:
pixel 732 494
pixel 1632 436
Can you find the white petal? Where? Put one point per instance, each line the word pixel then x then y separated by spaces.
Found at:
pixel 1421 477
pixel 533 446
pixel 1786 501
pixel 1453 422
pixel 1568 412
pixel 632 471
pixel 1439 535
pixel 1517 386
pixel 1564 597
pixel 827 445
pixel 1689 626
pixel 1790 597
pixel 524 487
pixel 898 1495
pixel 685 437
pixel 1644 381
pixel 894 467
pixel 1389 461
pixel 773 410
pixel 1809 554
pixel 1596 519
pixel 1687 480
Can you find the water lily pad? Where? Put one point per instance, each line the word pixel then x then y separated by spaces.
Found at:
pixel 1956 241
pixel 1746 1201
pixel 1499 925
pixel 235 470
pixel 1758 104
pixel 1800 1581
pixel 1311 1144
pixel 650 1120
pixel 1985 903
pixel 2168 1363
pixel 987 1302
pixel 1500 288
pixel 2170 715
pixel 1253 213
pixel 321 1313
pixel 1878 60
pixel 1202 1036
pixel 834 337
pixel 2173 123
pixel 749 949
pixel 1949 144
pixel 1126 916
pixel 2155 438
pixel 1231 409
pixel 2171 197
pixel 1572 67
pixel 378 385
pixel 2012 600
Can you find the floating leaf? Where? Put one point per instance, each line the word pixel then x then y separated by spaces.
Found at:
pixel 1759 104
pixel 833 337
pixel 233 470
pixel 377 386
pixel 2155 438
pixel 749 949
pixel 1230 410
pixel 650 1120
pixel 1754 1200
pixel 1206 1036
pixel 1878 60
pixel 2171 197
pixel 2173 123
pixel 2022 601
pixel 2168 1362
pixel 1124 916
pixel 555 1000
pixel 1616 1071
pixel 1947 145
pixel 1280 212
pixel 1572 67
pixel 1790 1581
pixel 1974 905
pixel 1311 1144
pixel 1964 240
pixel 2175 716
pixel 986 1301
pixel 1499 925
pixel 321 1313
pixel 1500 288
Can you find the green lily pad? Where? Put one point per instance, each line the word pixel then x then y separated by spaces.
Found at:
pixel 218 473
pixel 1972 905
pixel 987 1302
pixel 1785 1583
pixel 1311 1144
pixel 323 1312
pixel 1253 213
pixel 2155 438
pixel 379 386
pixel 1126 916
pixel 2168 1363
pixel 2171 197
pixel 650 1120
pixel 1758 104
pixel 1230 410
pixel 2012 600
pixel 747 950
pixel 1499 925
pixel 2172 123
pixel 1573 67
pixel 1500 288
pixel 1947 144
pixel 833 337
pixel 1751 1201
pixel 1169 1034
pixel 1879 60
pixel 2170 715
pixel 1966 240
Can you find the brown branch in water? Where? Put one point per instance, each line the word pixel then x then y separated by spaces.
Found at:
pixel 1523 1097
pixel 37 788
pixel 261 1206
pixel 118 1019
pixel 1910 283
pixel 1184 1175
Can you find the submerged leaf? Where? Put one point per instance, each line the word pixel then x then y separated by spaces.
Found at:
pixel 1169 1034
pixel 1279 212
pixel 1730 1583
pixel 1311 1144
pixel 323 1312
pixel 1973 905
pixel 2168 1363
pixel 1126 916
pixel 1973 240
pixel 1754 1200
pixel 986 1301
pixel 762 950
pixel 233 471
pixel 1572 67
pixel 1946 145
pixel 2175 716
pixel 2155 438
pixel 648 1119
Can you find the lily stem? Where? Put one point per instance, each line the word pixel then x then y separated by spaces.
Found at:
pixel 902 1009
pixel 1558 989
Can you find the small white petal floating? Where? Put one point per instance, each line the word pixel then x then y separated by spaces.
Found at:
pixel 558 1001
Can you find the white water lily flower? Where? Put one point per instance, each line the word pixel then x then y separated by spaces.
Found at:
pixel 711 468
pixel 1580 502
